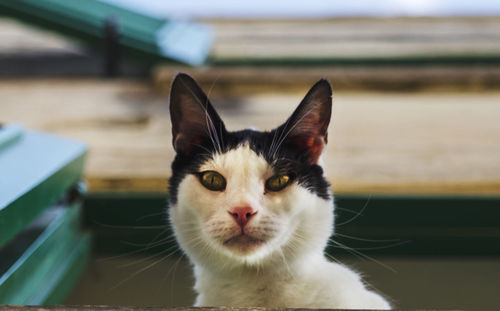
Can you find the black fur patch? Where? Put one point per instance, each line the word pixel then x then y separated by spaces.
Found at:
pixel 283 159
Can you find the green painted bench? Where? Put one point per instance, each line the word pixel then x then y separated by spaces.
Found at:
pixel 42 248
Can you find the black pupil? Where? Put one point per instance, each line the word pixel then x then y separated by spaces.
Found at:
pixel 213 181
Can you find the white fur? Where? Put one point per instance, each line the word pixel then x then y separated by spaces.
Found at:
pixel 289 268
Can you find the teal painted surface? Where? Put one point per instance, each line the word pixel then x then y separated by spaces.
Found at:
pixel 35 172
pixel 9 134
pixel 382 225
pixel 34 276
pixel 62 280
pixel 139 35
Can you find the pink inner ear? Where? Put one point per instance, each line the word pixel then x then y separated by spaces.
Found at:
pixel 312 146
pixel 186 144
pixel 315 145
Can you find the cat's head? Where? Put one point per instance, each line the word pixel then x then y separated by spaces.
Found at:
pixel 248 197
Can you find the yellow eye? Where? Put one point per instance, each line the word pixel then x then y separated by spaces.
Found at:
pixel 212 180
pixel 278 182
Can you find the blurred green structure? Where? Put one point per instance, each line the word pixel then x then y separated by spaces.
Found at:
pixel 110 27
pixel 42 249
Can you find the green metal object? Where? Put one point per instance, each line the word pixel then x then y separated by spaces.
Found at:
pixel 9 134
pixel 373 225
pixel 50 264
pixel 126 222
pixel 66 275
pixel 36 170
pixel 148 38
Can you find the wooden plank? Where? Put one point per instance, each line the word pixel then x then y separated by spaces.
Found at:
pixel 36 171
pixel 244 80
pixel 354 41
pixel 381 142
pixel 121 308
pixel 343 39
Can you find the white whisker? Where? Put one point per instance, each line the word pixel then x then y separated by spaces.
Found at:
pixel 357 214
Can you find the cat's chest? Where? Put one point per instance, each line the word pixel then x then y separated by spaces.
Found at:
pixel 267 290
pixel 244 292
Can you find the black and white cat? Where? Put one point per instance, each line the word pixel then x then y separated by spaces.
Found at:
pixel 254 211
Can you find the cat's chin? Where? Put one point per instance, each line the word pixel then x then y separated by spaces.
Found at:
pixel 243 244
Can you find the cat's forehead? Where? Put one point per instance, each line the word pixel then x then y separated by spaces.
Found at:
pixel 240 160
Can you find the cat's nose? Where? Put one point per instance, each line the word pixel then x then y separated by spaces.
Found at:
pixel 242 214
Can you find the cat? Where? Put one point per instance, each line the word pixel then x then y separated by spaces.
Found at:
pixel 253 210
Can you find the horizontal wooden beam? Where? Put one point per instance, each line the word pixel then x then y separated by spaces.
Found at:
pixel 380 142
pixel 247 80
pixel 368 41
pixel 122 308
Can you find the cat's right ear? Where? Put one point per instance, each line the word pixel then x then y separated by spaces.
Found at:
pixel 306 131
pixel 195 123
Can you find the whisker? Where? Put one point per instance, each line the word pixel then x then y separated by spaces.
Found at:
pixel 129 227
pixel 122 255
pixel 148 257
pixel 172 281
pixel 357 214
pixel 364 239
pixel 218 139
pixel 289 131
pixel 151 244
pixel 209 152
pixel 151 215
pixel 361 255
pixel 377 247
pixel 333 258
pixel 285 262
pixel 208 119
pixel 345 210
pixel 143 269
pixel 148 246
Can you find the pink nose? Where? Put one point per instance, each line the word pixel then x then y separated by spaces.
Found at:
pixel 242 214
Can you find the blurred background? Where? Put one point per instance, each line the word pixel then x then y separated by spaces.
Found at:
pixel 414 148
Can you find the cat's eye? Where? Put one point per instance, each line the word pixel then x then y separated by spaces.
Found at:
pixel 212 180
pixel 278 182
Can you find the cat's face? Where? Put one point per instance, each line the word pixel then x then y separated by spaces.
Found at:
pixel 243 197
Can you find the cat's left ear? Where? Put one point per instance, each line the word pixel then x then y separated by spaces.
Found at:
pixel 196 125
pixel 307 129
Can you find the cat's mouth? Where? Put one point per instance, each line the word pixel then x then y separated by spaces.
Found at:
pixel 243 243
